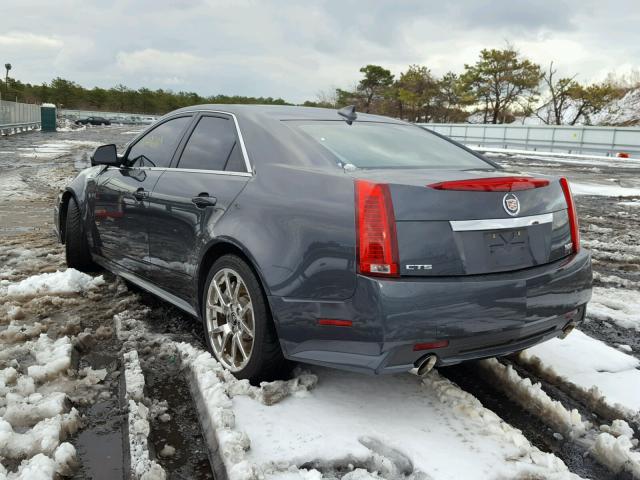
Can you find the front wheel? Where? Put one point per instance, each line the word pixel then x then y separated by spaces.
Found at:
pixel 237 322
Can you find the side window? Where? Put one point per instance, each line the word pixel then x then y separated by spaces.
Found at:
pixel 213 145
pixel 156 148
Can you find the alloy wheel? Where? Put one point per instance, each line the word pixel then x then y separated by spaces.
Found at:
pixel 230 319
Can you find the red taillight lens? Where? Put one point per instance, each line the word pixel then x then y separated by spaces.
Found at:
pixel 377 244
pixel 493 184
pixel 573 215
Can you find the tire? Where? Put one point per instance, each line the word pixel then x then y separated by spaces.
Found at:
pixel 264 360
pixel 76 246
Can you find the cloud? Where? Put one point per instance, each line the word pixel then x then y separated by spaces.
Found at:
pixel 151 61
pixel 294 49
pixel 30 41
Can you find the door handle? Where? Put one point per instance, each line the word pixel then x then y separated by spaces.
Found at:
pixel 204 200
pixel 140 194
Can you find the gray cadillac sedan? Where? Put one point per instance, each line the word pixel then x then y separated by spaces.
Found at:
pixel 330 237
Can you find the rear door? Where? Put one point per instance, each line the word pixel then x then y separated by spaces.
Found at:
pixel 121 232
pixel 210 171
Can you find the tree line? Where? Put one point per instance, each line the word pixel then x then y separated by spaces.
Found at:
pixel 499 87
pixel 68 94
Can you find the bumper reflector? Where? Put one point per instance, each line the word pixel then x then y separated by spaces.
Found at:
pixel 431 345
pixel 334 323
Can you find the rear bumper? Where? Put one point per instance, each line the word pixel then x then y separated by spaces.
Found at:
pixel 480 316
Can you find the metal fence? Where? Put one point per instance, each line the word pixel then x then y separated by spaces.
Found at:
pixel 114 117
pixel 608 141
pixel 18 116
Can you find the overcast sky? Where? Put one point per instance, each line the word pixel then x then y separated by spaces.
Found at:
pixel 293 49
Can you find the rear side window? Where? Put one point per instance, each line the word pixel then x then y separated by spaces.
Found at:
pixel 213 145
pixel 388 145
pixel 157 147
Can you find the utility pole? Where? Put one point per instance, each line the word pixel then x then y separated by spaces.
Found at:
pixel 7 66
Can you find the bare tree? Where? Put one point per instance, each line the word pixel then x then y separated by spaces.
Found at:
pixel 560 97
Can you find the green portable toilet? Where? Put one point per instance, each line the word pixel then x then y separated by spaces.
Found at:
pixel 48 117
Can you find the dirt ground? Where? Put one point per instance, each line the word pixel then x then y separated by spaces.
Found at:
pixel 34 166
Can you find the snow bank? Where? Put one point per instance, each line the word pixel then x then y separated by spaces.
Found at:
pixel 142 466
pixel 533 398
pixel 133 376
pixel 617 453
pixel 59 282
pixel 591 365
pixel 44 437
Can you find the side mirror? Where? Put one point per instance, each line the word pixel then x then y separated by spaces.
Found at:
pixel 106 155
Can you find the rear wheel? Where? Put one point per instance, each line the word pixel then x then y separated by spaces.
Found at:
pixel 238 327
pixel 76 246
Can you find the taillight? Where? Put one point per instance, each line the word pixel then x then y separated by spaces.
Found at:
pixel 492 184
pixel 573 215
pixel 377 244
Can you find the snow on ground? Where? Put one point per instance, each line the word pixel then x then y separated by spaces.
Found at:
pixel 66 281
pixel 611 246
pixel 50 150
pixel 349 419
pixel 620 306
pixel 532 397
pixel 327 421
pixel 142 466
pixel 603 190
pixel 593 366
pixel 38 378
pixel 559 157
pixel 622 111
pixel 614 447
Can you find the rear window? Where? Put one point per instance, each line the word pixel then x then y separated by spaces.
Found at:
pixel 388 145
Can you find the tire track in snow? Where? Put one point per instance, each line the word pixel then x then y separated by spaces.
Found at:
pixel 611 445
pixel 473 379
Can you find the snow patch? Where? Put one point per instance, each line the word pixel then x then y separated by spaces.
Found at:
pixel 598 370
pixel 59 282
pixel 616 305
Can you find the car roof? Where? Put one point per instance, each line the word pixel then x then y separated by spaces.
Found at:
pixel 283 112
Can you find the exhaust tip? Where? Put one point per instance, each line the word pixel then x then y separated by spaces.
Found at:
pixel 424 365
pixel 567 330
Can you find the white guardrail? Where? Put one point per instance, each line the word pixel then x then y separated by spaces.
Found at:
pixel 607 141
pixel 16 116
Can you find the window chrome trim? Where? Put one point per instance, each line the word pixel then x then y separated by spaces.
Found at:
pixel 243 148
pixel 193 170
pixel 500 223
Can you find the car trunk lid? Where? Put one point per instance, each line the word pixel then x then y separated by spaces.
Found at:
pixel 452 223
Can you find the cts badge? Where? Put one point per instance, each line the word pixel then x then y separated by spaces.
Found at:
pixel 419 267
pixel 511 204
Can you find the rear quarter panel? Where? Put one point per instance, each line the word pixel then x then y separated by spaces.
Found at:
pixel 298 225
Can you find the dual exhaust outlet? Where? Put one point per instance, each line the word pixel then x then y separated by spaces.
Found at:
pixel 425 364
